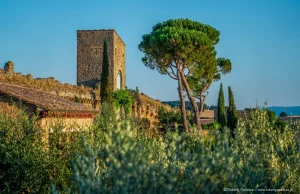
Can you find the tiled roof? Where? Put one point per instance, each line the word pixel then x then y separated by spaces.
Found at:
pixel 290 118
pixel 42 99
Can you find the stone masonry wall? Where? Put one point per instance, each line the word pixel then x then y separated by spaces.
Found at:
pixel 90 54
pixel 87 96
pixel 119 61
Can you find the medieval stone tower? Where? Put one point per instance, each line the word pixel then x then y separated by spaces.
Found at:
pixel 89 57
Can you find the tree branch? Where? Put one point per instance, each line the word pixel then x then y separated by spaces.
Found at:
pixel 173 72
pixel 170 74
pixel 189 72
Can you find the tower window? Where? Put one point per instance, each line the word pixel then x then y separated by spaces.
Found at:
pixel 119 81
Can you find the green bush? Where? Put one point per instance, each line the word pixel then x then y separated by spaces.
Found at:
pixel 27 163
pixel 260 157
pixel 123 99
pixel 211 126
pixel 172 120
pixel 114 156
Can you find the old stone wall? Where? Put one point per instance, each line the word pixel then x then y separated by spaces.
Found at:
pixel 85 95
pixel 90 54
pixel 88 96
pixel 149 109
pixel 119 61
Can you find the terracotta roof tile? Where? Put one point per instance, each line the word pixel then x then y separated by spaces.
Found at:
pixel 42 99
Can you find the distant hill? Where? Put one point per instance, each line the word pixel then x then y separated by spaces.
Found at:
pixel 177 103
pixel 291 110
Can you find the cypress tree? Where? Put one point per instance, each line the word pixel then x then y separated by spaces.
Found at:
pixel 232 119
pixel 221 108
pixel 105 85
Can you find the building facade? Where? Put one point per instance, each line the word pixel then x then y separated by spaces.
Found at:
pixel 90 55
pixel 50 109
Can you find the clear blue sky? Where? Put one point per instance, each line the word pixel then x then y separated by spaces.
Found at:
pixel 262 39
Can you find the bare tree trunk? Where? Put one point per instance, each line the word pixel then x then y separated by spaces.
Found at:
pixel 193 101
pixel 183 110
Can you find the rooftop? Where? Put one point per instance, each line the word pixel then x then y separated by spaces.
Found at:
pixel 42 99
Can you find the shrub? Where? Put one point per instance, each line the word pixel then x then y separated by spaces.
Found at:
pixel 123 100
pixel 27 165
pixel 260 157
pixel 114 157
pixel 172 120
pixel 77 99
pixel 212 126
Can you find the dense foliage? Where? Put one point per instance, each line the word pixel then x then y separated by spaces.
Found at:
pixel 27 163
pixel 114 156
pixel 283 114
pixel 170 120
pixel 123 100
pixel 211 126
pixel 177 104
pixel 221 107
pixel 260 157
pixel 207 72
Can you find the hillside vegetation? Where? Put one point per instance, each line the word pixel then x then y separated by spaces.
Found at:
pixel 177 104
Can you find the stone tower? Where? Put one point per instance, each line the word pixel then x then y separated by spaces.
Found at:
pixel 89 57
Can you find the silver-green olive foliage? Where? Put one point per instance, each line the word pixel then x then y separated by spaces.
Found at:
pixel 178 41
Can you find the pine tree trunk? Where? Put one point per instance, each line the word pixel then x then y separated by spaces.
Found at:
pixel 193 101
pixel 201 106
pixel 181 97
